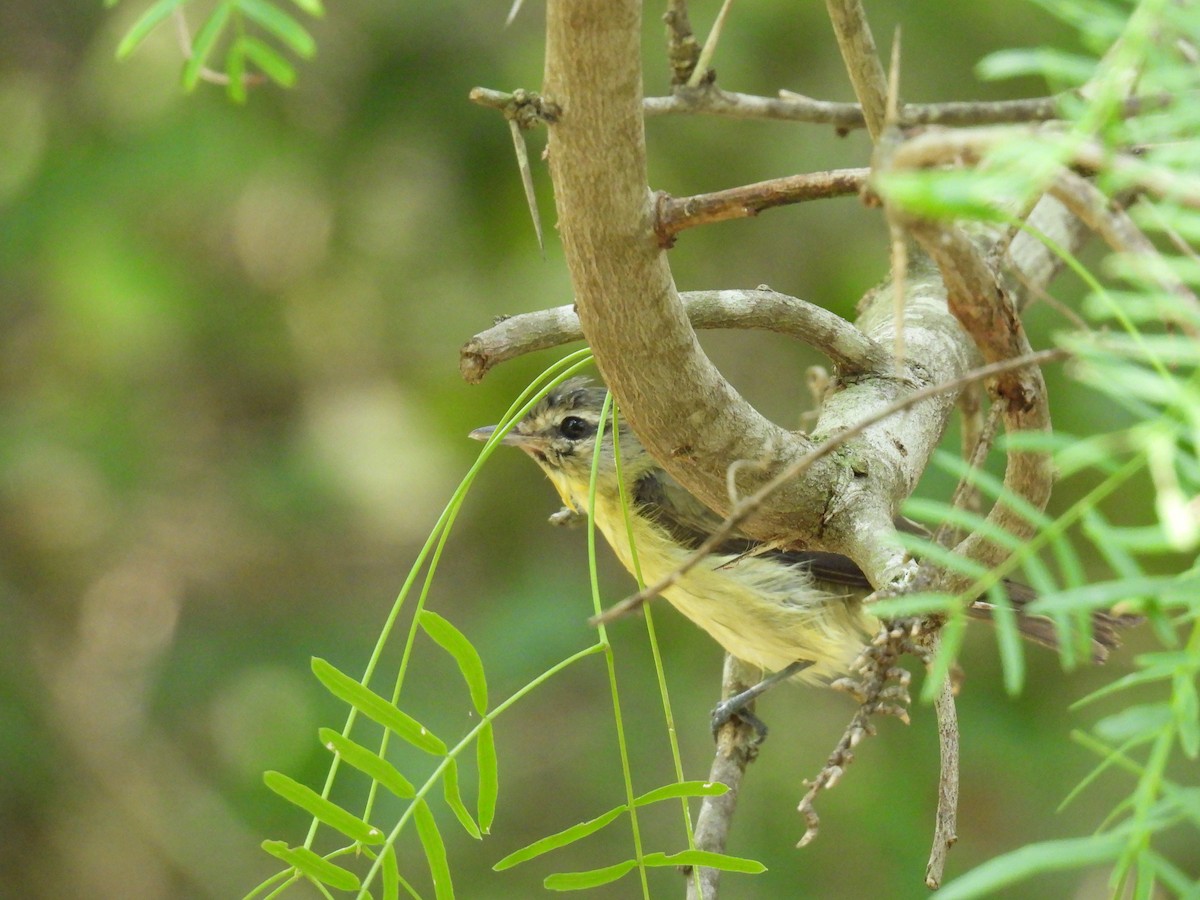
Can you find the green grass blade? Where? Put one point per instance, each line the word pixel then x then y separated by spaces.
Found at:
pixel 435 850
pixel 321 809
pixel 377 708
pixel 313 866
pixel 369 763
pixel 454 798
pixel 149 20
pixel 275 21
pixel 489 776
pixel 579 881
pixel 560 839
pixel 464 653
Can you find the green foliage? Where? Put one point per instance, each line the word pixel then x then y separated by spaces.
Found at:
pixel 232 25
pixel 1082 560
pixel 365 838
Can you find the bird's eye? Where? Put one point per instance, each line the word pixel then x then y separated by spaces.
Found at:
pixel 573 428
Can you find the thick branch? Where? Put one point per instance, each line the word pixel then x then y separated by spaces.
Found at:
pixel 849 349
pixel 678 213
pixel 980 303
pixel 681 407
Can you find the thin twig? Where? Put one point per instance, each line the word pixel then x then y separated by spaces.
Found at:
pixel 527 108
pixel 793 107
pixel 700 72
pixel 881 687
pixel 977 443
pixel 847 347
pixel 750 503
pixel 683 50
pixel 212 76
pixel 945 828
pixel 522 152
pixel 862 60
pixel 736 749
pixel 675 214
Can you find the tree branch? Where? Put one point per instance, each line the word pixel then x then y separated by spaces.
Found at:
pixel 735 751
pixel 676 214
pixel 708 99
pixel 862 61
pixel 747 505
pixel 848 348
pixel 945 832
pixel 978 300
pixel 1121 233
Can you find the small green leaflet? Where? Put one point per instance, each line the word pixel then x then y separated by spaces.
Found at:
pixel 377 708
pixel 315 867
pixel 321 809
pixel 435 850
pixel 368 762
pixel 456 644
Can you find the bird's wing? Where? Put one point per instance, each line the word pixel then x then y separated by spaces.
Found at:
pixel 689 522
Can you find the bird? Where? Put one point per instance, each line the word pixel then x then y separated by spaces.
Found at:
pixel 793 614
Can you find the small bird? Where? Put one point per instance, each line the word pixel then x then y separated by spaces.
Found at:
pixel 798 614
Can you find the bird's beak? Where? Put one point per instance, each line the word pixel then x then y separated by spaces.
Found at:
pixel 512 439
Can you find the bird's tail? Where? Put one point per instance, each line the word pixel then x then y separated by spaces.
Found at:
pixel 1106 627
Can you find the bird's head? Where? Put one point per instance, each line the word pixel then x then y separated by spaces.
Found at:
pixel 559 434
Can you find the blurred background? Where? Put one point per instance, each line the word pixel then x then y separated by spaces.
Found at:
pixel 230 412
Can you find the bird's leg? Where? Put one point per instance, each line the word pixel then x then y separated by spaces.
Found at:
pixel 735 706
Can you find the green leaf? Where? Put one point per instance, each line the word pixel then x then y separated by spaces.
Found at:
pixel 268 60
pixel 391 874
pixel 435 850
pixel 1008 640
pixel 1165 589
pixel 275 21
pixel 454 798
pixel 707 859
pixel 1033 859
pixel 1054 65
pixel 313 866
pixel 203 45
pixel 235 71
pixel 489 776
pixel 456 644
pixel 312 7
pixel 683 789
pixel 1143 719
pixel 143 26
pixel 561 839
pixel 368 762
pixel 376 708
pixel 321 809
pixel 578 881
pixel 1185 706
